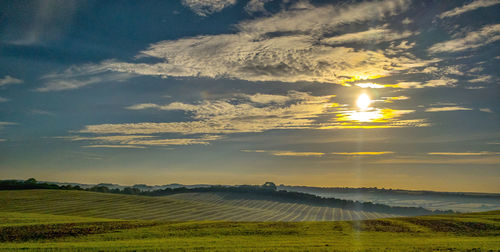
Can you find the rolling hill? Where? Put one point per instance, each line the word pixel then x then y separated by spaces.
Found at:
pixel 176 207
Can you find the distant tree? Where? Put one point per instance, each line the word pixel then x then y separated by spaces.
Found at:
pixel 98 188
pixel 131 190
pixel 269 186
pixel 30 181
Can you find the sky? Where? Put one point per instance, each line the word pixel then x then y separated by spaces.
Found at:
pixel 388 94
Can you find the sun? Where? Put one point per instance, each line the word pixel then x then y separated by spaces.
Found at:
pixel 363 102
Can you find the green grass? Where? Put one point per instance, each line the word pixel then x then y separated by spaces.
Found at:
pixel 178 207
pixel 45 220
pixel 394 234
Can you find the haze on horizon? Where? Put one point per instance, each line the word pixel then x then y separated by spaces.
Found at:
pixel 389 94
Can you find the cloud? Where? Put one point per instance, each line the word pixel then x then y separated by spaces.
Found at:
pixel 229 116
pixel 459 160
pixel 469 7
pixel 440 82
pixel 244 114
pixel 297 154
pixel 443 82
pixel 369 153
pixel 256 6
pixel 322 19
pixel 395 98
pixel 442 109
pixel 474 39
pixel 373 35
pixel 483 78
pixel 256 151
pixel 41 112
pixel 288 153
pixel 407 21
pixel 3 124
pixel 9 80
pixel 412 123
pixel 207 7
pixel 285 59
pixel 114 146
pixel 372 85
pixel 374 117
pixel 141 141
pixel 114 138
pixel 487 110
pixel 266 98
pixel 77 77
pixel 482 153
pixel 284 47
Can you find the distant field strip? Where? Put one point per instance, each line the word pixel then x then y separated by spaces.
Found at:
pixel 280 211
pixel 178 207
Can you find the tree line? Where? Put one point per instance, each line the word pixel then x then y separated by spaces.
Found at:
pixel 260 192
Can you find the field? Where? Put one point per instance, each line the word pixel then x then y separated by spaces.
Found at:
pixel 61 225
pixel 179 207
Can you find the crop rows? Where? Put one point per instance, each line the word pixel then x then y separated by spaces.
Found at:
pixel 179 207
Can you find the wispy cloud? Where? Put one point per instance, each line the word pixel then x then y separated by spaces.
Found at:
pixel 474 39
pixel 373 35
pixel 443 82
pixel 372 85
pixel 267 98
pixel 288 153
pixel 395 98
pixel 3 124
pixel 77 77
pixel 482 153
pixel 41 112
pixel 469 7
pixel 7 79
pixel 114 146
pixel 482 78
pixel 317 154
pixel 443 109
pixel 207 7
pixel 363 153
pixel 141 141
pixel 297 154
pixel 452 160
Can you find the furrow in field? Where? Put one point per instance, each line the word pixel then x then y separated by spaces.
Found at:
pixel 290 212
pixel 278 210
pixel 298 212
pixel 321 214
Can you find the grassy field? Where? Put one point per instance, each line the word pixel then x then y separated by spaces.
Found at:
pixel 43 232
pixel 45 220
pixel 178 207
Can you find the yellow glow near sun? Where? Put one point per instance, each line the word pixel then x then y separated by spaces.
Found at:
pixel 363 102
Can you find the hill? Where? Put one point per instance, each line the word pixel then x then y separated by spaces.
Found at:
pixel 46 232
pixel 456 201
pixel 176 207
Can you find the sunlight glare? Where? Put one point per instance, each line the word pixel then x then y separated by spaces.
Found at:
pixel 363 102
